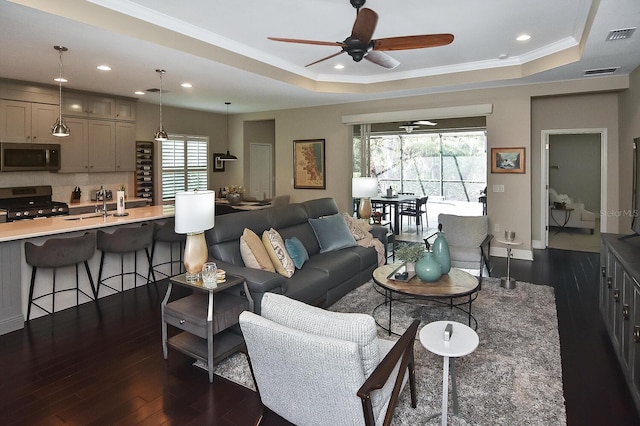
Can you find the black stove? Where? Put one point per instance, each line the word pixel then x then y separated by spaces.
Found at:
pixel 29 202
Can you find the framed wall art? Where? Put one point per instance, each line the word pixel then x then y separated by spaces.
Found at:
pixel 218 165
pixel 507 160
pixel 309 164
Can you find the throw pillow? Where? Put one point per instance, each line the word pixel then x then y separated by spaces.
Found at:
pixel 274 244
pixel 296 251
pixel 332 233
pixel 254 255
pixel 358 228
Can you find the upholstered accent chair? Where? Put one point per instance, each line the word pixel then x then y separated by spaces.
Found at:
pixel 317 367
pixel 469 241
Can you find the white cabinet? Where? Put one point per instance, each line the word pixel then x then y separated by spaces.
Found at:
pixel 91 147
pixel 27 122
pixel 125 147
pixel 80 105
pixel 125 110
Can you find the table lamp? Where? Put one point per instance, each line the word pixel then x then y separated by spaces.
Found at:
pixel 364 188
pixel 195 213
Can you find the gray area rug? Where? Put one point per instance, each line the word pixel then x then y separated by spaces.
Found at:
pixel 514 377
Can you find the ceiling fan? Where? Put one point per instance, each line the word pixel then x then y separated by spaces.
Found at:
pixel 360 43
pixel 412 125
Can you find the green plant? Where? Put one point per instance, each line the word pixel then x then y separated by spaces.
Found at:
pixel 122 187
pixel 409 252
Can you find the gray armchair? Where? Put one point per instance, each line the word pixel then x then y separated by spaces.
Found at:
pixel 316 367
pixel 469 240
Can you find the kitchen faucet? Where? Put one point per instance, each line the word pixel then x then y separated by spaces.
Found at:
pixel 103 194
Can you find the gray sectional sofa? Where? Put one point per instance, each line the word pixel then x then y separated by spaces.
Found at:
pixel 321 281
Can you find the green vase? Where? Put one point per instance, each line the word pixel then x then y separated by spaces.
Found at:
pixel 428 269
pixel 441 252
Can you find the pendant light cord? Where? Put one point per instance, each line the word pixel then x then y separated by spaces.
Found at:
pixel 60 49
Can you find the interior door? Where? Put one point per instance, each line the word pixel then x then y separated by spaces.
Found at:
pixel 261 170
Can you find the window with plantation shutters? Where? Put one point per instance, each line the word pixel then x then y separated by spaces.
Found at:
pixel 184 165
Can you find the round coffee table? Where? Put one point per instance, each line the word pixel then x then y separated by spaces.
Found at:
pixel 457 289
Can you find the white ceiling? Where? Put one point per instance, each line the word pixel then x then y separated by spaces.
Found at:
pixel 221 47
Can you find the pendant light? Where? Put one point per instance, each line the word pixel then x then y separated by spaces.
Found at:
pixel 227 156
pixel 59 128
pixel 160 135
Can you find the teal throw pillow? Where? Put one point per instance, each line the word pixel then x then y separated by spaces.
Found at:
pixel 296 251
pixel 332 233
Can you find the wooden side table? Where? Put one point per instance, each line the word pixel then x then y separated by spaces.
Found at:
pixel 206 316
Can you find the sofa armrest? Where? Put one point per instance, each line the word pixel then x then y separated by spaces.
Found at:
pixel 380 232
pixel 257 280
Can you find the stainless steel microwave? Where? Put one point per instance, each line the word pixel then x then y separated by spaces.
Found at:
pixel 26 157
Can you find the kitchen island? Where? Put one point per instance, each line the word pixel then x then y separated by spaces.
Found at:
pixel 15 273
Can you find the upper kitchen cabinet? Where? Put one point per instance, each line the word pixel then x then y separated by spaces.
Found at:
pixel 91 147
pixel 27 122
pixel 125 110
pixel 125 147
pixel 81 105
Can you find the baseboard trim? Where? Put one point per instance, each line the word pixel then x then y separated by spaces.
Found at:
pixel 10 324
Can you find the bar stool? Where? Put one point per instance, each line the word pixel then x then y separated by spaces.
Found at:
pixel 56 253
pixel 165 233
pixel 124 241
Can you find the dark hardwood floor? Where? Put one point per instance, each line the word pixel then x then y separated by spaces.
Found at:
pixel 104 365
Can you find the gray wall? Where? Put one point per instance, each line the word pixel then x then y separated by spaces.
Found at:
pixel 574 168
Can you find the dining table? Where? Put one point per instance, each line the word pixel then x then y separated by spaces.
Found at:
pixel 394 202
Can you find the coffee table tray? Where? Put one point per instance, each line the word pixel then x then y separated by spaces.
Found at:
pixel 400 270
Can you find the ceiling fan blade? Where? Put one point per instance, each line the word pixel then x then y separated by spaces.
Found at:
pixel 296 40
pixel 365 25
pixel 382 59
pixel 324 59
pixel 412 42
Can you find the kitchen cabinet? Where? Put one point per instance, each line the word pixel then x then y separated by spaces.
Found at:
pixel 81 105
pixel 27 122
pixel 125 110
pixel 91 147
pixel 619 300
pixel 125 147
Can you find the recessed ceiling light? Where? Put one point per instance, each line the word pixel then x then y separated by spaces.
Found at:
pixel 523 37
pixel 338 66
pixel 187 85
pixel 139 92
pixel 60 79
pixel 104 67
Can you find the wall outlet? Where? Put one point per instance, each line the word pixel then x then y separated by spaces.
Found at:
pixel 496 227
pixel 498 188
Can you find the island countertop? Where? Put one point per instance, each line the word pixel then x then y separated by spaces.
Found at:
pixel 41 227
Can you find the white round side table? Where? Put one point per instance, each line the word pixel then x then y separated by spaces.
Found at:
pixel 508 282
pixel 463 341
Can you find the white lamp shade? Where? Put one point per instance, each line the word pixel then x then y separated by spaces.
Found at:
pixel 195 211
pixel 364 187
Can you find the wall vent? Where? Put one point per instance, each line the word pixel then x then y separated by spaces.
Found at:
pixel 600 71
pixel 621 34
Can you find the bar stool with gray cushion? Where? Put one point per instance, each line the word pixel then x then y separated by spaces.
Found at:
pixel 165 234
pixel 57 253
pixel 124 241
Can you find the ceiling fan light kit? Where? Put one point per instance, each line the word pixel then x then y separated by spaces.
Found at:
pixel 361 45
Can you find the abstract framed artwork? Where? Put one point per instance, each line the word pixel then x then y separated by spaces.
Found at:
pixel 507 160
pixel 218 165
pixel 309 164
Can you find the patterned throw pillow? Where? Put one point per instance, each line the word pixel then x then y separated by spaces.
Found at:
pixel 278 253
pixel 358 228
pixel 254 255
